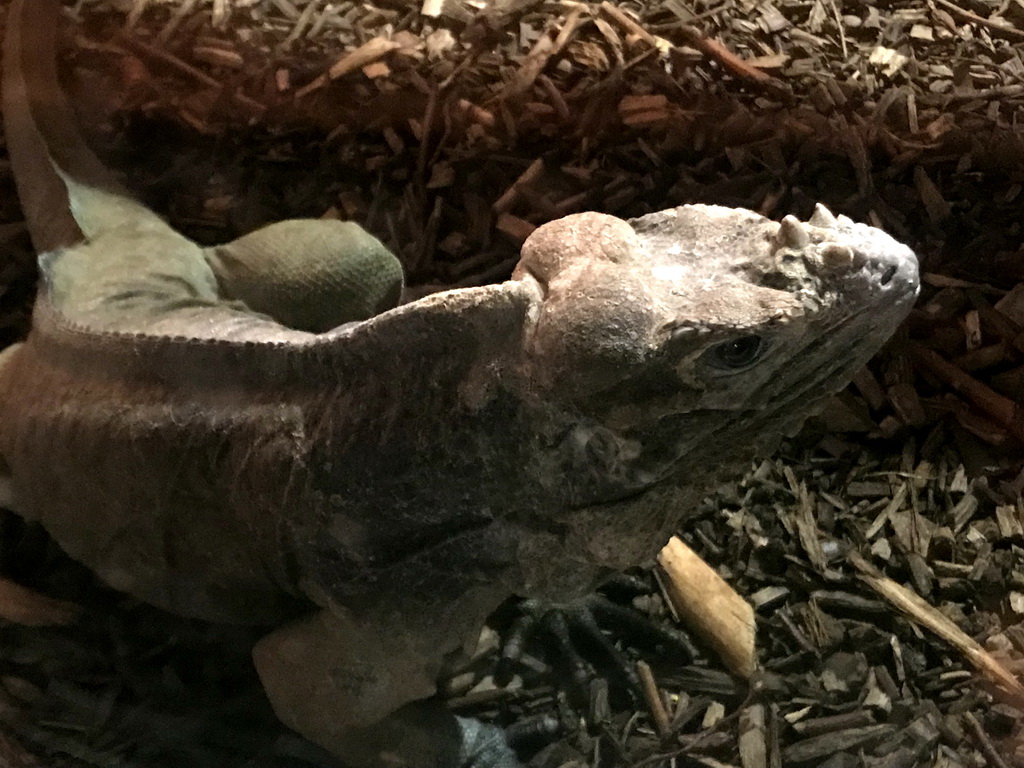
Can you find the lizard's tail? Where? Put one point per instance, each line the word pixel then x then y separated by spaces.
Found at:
pixel 66 192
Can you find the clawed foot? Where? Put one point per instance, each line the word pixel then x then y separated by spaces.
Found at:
pixel 582 633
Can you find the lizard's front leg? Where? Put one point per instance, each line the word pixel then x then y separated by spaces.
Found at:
pixel 363 696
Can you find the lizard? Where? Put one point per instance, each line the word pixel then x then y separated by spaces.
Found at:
pixel 261 433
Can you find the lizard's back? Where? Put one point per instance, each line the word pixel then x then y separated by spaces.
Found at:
pixel 72 442
pixel 149 488
pixel 165 427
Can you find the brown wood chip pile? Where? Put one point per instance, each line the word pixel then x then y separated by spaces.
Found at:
pixel 881 550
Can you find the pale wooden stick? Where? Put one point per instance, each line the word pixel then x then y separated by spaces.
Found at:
pixel 510 195
pixel 709 607
pixel 927 616
pixel 541 53
pixel 368 52
pixel 628 24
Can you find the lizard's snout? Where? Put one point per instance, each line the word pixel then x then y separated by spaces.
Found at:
pixel 863 261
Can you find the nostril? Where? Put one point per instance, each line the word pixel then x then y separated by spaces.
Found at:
pixel 888 275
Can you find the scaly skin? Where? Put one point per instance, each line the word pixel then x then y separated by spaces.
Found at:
pixel 395 478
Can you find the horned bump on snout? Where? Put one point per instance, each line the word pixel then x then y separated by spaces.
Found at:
pixel 825 241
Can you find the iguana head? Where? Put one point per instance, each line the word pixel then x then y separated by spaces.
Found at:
pixel 692 334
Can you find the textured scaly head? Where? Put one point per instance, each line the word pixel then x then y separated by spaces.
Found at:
pixel 701 331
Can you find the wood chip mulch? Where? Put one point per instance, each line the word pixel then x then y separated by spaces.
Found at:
pixel 882 549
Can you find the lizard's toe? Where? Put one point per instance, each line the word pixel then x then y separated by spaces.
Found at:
pixel 582 634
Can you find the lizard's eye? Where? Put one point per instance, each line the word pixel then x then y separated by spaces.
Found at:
pixel 735 354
